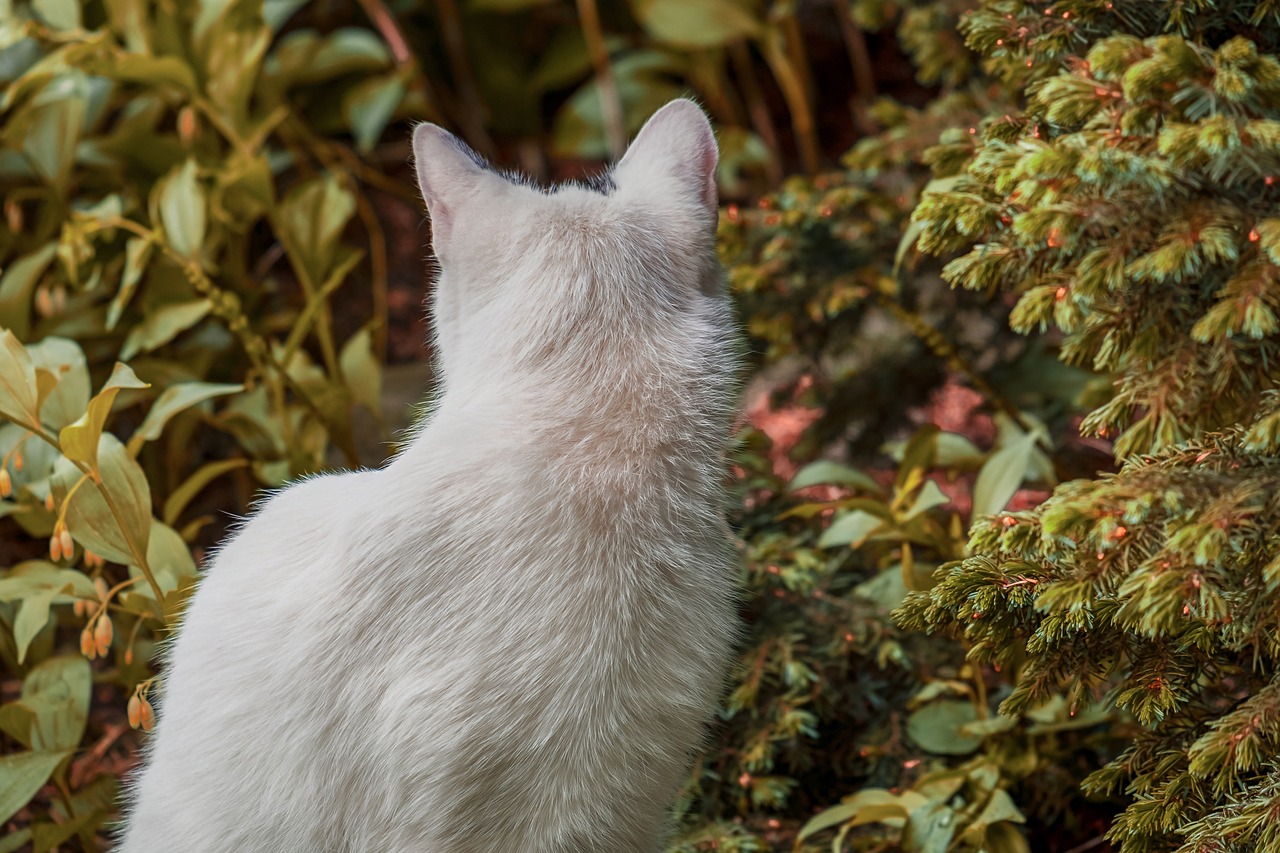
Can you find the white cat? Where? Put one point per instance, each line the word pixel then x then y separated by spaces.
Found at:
pixel 512 637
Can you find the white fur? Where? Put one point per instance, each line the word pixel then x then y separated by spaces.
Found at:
pixel 511 637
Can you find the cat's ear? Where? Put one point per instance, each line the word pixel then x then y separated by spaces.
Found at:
pixel 448 173
pixel 676 143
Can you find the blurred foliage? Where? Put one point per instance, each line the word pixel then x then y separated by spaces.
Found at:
pixel 174 199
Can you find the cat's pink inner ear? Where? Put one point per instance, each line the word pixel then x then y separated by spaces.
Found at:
pixel 678 140
pixel 448 172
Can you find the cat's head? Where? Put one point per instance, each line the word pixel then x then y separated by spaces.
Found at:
pixel 526 271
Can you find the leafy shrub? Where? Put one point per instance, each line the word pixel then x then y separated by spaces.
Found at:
pixel 174 199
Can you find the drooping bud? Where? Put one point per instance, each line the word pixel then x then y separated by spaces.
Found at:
pixel 102 634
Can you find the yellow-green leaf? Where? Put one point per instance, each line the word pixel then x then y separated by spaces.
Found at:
pixel 79 441
pixel 117 536
pixel 360 370
pixel 173 400
pixel 16 285
pixel 1002 474
pixel 168 557
pixel 19 393
pixel 33 615
pixel 57 692
pixel 182 209
pixel 22 775
pixel 697 23
pixel 163 326
pixel 62 380
pixel 136 254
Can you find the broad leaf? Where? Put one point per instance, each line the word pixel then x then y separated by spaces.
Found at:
pixel 1001 475
pixel 824 471
pixel 697 23
pixel 18 391
pixel 937 727
pixel 90 518
pixel 16 286
pixel 79 441
pixel 852 528
pixel 68 395
pixel 22 775
pixel 57 691
pixel 360 370
pixel 182 209
pixel 174 399
pixel 164 325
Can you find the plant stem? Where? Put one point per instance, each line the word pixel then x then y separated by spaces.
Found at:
pixel 791 82
pixel 860 58
pixel 473 114
pixel 757 108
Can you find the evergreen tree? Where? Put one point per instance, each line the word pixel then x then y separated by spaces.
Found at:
pixel 1132 206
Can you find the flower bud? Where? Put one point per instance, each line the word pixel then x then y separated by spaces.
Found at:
pixel 102 634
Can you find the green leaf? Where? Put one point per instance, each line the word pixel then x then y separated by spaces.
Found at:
pixel 368 107
pixel 309 222
pixel 697 23
pixel 930 496
pixel 181 204
pixel 33 615
pixel 36 576
pixel 918 455
pixel 153 71
pixel 195 484
pixel 954 450
pixel 57 691
pixel 999 808
pixel 64 361
pixel 22 775
pixel 16 286
pixel 1001 475
pixel 79 441
pixel 89 517
pixel 164 325
pixel 930 828
pixel 824 471
pixel 360 370
pixel 937 727
pixel 887 589
pixel 137 252
pixel 59 14
pixel 169 559
pixel 871 805
pixel 18 392
pixel 852 528
pixel 56 118
pixel 15 840
pixel 174 399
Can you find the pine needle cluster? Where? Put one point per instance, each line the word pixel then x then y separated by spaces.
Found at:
pixel 1132 206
